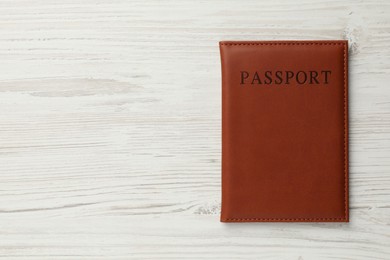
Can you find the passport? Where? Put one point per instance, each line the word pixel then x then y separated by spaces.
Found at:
pixel 284 131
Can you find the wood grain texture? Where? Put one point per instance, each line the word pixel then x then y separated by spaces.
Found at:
pixel 110 129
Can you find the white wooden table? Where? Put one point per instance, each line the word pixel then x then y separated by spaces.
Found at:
pixel 110 129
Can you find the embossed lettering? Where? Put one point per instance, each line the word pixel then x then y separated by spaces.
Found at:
pixel 286 77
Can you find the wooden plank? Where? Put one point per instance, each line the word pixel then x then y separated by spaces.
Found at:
pixel 110 129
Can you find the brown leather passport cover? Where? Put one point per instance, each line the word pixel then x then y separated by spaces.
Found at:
pixel 284 131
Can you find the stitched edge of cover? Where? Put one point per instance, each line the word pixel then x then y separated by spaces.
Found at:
pixel 345 126
pixel 283 219
pixel 345 135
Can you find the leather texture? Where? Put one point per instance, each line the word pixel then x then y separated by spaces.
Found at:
pixel 284 135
